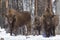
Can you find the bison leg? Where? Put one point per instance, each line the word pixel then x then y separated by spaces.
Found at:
pixel 39 29
pixel 15 30
pixel 39 32
pixel 15 33
pixel 28 30
pixel 23 30
pixel 10 28
pixel 47 31
pixel 10 31
pixel 53 31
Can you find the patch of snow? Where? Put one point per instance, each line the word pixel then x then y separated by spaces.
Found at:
pixel 7 36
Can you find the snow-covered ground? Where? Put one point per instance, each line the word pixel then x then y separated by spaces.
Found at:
pixel 7 36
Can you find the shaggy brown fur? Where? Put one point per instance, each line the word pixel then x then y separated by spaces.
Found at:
pixel 38 24
pixel 17 20
pixel 47 25
pixel 50 22
pixel 55 22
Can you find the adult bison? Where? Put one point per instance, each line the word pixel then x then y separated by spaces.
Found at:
pixel 18 19
pixel 50 22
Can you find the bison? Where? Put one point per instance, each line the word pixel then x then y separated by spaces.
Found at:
pixel 38 24
pixel 55 22
pixel 50 22
pixel 18 19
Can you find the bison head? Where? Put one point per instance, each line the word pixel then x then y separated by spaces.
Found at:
pixel 10 18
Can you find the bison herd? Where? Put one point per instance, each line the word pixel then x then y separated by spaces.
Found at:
pixel 18 21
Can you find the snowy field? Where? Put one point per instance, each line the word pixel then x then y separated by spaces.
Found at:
pixel 7 36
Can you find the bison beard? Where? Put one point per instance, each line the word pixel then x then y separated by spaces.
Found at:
pixel 18 19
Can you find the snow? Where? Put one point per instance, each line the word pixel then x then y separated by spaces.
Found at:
pixel 7 36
